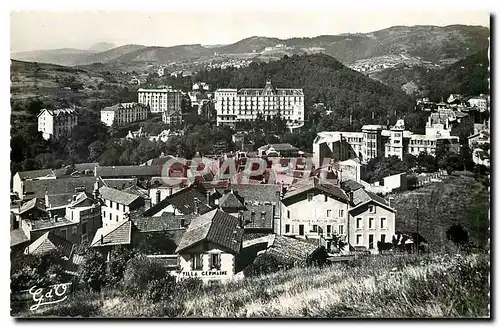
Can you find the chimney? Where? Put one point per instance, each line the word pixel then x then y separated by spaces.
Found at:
pixel 208 197
pixel 102 239
pixel 196 206
pixel 74 198
pixel 56 218
pixel 169 191
pixel 241 218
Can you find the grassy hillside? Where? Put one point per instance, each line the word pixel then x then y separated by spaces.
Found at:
pixel 456 200
pixel 437 285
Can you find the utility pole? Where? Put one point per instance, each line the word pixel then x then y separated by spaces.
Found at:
pixel 416 242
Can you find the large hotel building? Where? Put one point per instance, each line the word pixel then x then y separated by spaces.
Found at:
pixel 243 105
pixel 166 101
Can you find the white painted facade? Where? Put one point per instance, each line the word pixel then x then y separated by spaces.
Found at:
pixel 369 224
pixel 160 100
pixel 113 212
pixel 57 123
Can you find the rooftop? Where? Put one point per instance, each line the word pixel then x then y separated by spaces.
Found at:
pixel 129 171
pixel 116 234
pixel 361 196
pixel 117 196
pixel 298 191
pixel 167 221
pixel 31 204
pixel 50 242
pixel 216 227
pixel 184 201
pixel 38 188
pixel 57 112
pixel 36 174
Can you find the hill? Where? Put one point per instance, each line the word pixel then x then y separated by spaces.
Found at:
pixel 457 200
pixel 66 56
pixel 468 76
pixel 323 79
pixel 101 46
pixel 374 287
pixel 429 43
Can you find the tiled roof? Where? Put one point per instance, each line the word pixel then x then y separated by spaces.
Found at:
pixel 232 200
pixel 298 191
pixel 57 112
pixel 216 227
pixel 81 197
pixel 38 188
pixel 257 221
pixel 362 196
pixel 350 185
pixel 49 242
pixel 117 195
pixel 117 234
pixel 167 221
pixel 288 250
pixel 129 171
pixel 17 237
pixel 59 200
pixel 184 201
pixel 120 184
pixel 35 174
pixel 254 192
pixel 35 202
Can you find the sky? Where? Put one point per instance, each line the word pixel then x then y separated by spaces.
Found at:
pixel 34 30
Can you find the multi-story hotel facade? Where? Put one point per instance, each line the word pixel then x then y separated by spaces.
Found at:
pixel 243 105
pixel 123 113
pixel 57 123
pixel 160 100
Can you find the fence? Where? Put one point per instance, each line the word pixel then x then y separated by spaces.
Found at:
pixel 430 177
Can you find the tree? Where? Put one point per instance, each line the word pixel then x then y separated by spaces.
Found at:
pixel 93 270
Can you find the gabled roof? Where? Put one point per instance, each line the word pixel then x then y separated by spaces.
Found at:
pixel 184 201
pixel 17 237
pixel 59 200
pixel 232 200
pixel 118 196
pixel 279 147
pixel 38 188
pixel 216 227
pixel 57 112
pixel 31 204
pixel 36 174
pixel 120 184
pixel 167 221
pixel 129 171
pixel 287 250
pixel 361 197
pixel 82 197
pixel 250 192
pixel 49 242
pixel 261 219
pixel 116 234
pixel 298 191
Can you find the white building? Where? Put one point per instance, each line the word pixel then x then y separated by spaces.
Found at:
pixel 57 123
pixel 160 100
pixel 242 105
pixel 209 247
pixel 117 204
pixel 480 102
pixel 123 113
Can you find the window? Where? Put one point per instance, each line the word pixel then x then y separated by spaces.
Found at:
pixel 359 222
pixel 383 223
pixel 196 262
pixel 215 261
pixel 74 230
pixel 326 198
pixel 328 229
pixel 315 228
pixel 252 216
pixel 63 233
pixel 287 214
pixel 301 229
pixel 328 213
pixel 183 222
pixel 287 228
pixel 116 217
pixel 358 239
pixel 84 228
pixel 382 238
pixel 370 223
pixel 158 196
pixel 341 213
pixel 310 196
pixel 371 209
pixel 370 241
pixel 341 229
pixel 110 217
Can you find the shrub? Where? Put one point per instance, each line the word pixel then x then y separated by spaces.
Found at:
pixel 93 270
pixel 140 274
pixel 116 266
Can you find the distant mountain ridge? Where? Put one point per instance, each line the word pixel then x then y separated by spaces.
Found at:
pixel 430 43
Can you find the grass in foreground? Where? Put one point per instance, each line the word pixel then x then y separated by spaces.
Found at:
pixel 437 285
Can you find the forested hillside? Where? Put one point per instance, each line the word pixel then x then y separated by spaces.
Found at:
pixel 324 79
pixel 468 76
